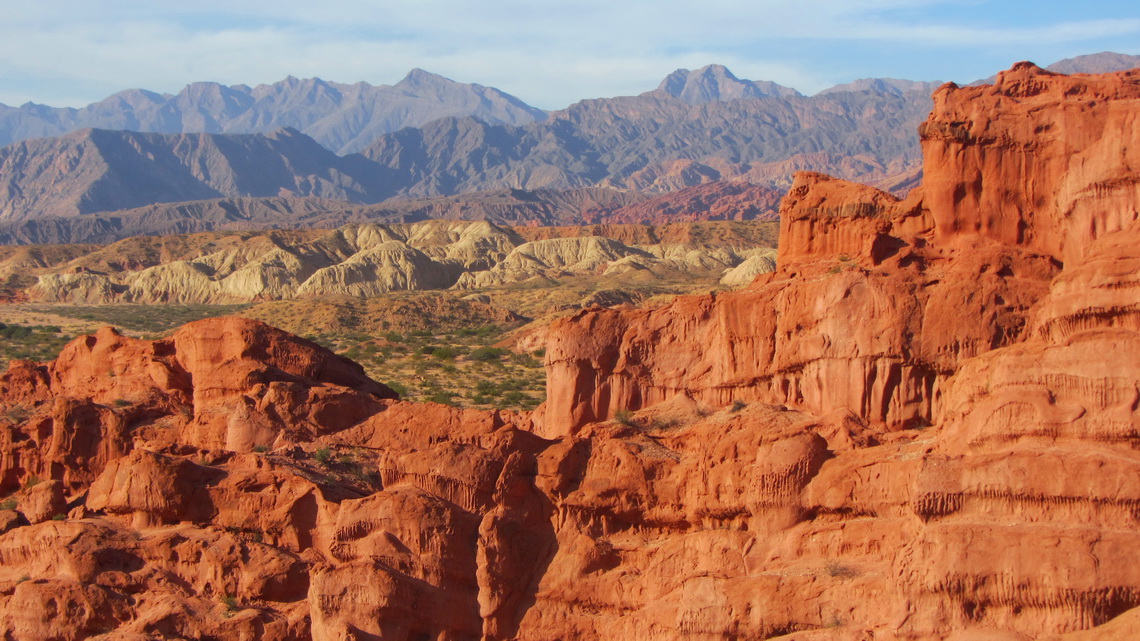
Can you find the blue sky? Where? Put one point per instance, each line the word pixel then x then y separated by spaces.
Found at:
pixel 549 54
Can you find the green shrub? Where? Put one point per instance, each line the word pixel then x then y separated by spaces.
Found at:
pixel 487 354
pixel 8 504
pixel 526 360
pixel 443 354
pixel 625 418
pixel 323 455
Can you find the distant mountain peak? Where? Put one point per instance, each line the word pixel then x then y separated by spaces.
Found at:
pixel 418 76
pixel 1103 62
pixel 719 72
pixel 887 86
pixel 715 82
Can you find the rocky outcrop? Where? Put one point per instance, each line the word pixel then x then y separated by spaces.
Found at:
pixel 982 330
pixel 213 384
pixel 1052 185
pixel 850 251
pixel 250 483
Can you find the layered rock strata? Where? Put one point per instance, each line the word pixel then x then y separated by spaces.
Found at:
pixel 981 334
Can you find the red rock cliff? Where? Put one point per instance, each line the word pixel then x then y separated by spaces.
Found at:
pixel 1041 160
pixel 984 331
pixel 876 300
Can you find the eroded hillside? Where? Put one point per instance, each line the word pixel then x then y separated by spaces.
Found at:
pixel 368 260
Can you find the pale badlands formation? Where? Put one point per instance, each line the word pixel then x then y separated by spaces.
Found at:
pixel 923 425
pixel 368 260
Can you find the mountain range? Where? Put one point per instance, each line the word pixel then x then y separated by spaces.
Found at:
pixel 342 117
pixel 429 137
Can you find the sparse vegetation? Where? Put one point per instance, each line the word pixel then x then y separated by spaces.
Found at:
pixel 737 405
pixel 488 354
pixel 444 353
pixel 323 455
pixel 230 603
pixel 17 414
pixel 145 319
pixel 625 418
pixel 664 423
pixel 9 503
pixel 838 570
pixel 249 534
pixel 30 342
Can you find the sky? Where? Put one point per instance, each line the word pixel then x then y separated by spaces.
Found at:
pixel 549 53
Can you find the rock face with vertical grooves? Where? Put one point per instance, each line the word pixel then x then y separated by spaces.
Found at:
pixel 1006 202
pixel 922 425
pixel 985 327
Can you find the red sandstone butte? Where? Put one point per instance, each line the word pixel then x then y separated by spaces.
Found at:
pixel 922 426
